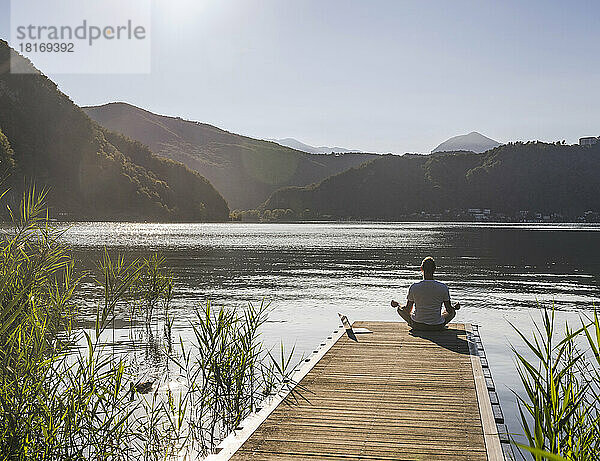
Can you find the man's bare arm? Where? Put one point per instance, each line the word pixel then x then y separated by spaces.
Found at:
pixel 404 312
pixel 407 308
pixel 449 307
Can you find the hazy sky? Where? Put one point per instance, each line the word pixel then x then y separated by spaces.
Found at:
pixel 385 76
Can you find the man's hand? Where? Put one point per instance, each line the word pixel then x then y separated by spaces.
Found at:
pixel 395 303
pixel 457 306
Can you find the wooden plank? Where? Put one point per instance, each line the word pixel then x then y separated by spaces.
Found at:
pixel 237 438
pixel 490 431
pixel 392 395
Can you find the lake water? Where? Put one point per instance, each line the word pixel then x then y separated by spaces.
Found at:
pixel 311 271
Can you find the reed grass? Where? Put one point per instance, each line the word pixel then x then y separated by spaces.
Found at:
pixel 66 394
pixel 559 410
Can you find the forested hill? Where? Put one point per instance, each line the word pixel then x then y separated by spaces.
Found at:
pixel 90 172
pixel 245 170
pixel 510 178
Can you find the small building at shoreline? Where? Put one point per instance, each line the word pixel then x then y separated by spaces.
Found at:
pixel 589 140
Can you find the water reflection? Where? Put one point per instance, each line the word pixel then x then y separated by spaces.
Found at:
pixel 310 272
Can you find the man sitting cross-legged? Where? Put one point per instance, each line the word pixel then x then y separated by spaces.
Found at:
pixel 427 297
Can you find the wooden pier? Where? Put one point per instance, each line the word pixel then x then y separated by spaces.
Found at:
pixel 392 395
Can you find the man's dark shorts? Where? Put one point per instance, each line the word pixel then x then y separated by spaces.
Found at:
pixel 426 327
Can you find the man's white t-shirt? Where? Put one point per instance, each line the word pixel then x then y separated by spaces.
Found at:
pixel 428 296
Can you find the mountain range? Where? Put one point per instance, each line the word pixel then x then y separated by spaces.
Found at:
pixel 295 144
pixel 155 167
pixel 472 142
pixel 245 170
pixel 89 171
pixel 513 177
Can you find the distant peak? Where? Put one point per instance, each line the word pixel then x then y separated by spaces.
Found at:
pixel 473 141
pixel 107 104
pixel 298 145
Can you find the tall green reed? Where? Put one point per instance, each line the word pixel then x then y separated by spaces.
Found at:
pixel 559 410
pixel 228 371
pixel 66 394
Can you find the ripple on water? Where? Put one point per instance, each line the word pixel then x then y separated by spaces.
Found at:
pixel 310 272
